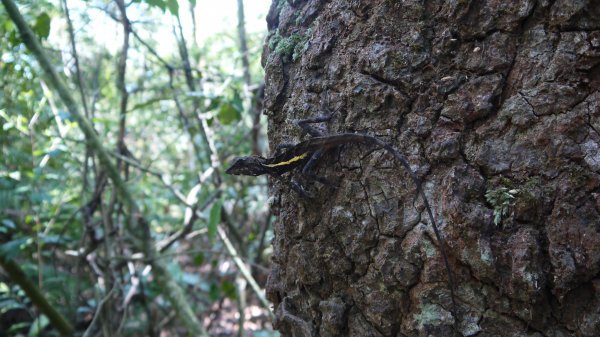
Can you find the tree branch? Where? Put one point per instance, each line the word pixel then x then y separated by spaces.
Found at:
pixel 16 274
pixel 76 59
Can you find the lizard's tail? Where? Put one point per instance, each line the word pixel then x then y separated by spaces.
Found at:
pixel 399 157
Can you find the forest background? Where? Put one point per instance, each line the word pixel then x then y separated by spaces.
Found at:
pixel 116 217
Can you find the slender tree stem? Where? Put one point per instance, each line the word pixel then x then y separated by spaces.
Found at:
pixel 37 297
pixel 80 84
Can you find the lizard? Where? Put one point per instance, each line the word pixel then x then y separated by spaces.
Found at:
pixel 306 153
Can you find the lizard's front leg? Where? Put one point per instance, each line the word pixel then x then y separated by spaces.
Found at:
pixel 305 124
pixel 295 186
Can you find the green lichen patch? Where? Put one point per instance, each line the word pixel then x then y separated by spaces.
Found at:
pixel 291 47
pixel 432 315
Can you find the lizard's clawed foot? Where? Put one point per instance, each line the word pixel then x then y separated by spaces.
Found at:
pixel 296 187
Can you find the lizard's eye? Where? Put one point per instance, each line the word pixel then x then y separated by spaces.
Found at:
pixel 235 167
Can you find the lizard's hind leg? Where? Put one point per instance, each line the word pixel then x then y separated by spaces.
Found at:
pixel 305 124
pixel 296 187
pixel 307 170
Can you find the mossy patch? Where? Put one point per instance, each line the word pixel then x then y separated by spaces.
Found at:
pixel 291 47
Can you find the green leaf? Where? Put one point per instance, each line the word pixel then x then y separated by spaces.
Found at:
pixel 497 217
pixel 214 293
pixel 15 328
pixel 15 175
pixel 214 218
pixel 8 26
pixel 157 3
pixel 228 113
pixel 38 326
pixel 173 7
pixel 53 239
pixel 7 303
pixel 40 197
pixel 6 225
pixel 10 249
pixel 14 38
pixel 214 103
pixel 23 189
pixel 237 101
pixel 199 259
pixel 228 289
pixel 42 26
pixel 9 224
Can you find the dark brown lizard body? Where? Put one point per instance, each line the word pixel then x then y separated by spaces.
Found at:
pixel 295 156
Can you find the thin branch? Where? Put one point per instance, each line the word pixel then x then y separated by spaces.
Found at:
pixel 88 332
pixel 191 207
pixel 137 36
pixel 187 226
pixel 152 51
pixel 253 109
pixel 121 72
pixel 194 26
pixel 80 84
pixel 243 43
pixel 191 130
pixel 157 174
pixel 205 131
pixel 141 258
pixel 244 270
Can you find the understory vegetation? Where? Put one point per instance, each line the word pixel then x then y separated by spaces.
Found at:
pixel 116 216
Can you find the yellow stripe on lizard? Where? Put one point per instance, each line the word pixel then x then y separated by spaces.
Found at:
pixel 293 160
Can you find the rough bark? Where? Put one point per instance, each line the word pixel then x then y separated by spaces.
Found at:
pixel 496 98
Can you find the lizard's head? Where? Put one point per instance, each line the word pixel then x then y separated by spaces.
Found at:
pixel 247 166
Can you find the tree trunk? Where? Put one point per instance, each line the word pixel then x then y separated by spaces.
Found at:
pixel 496 105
